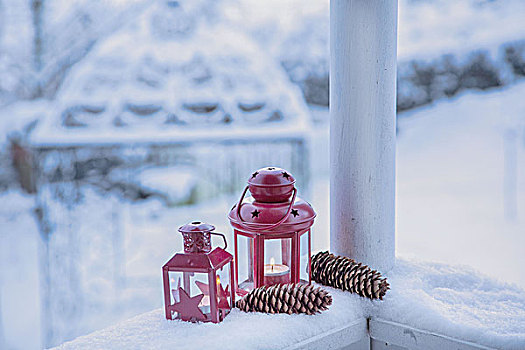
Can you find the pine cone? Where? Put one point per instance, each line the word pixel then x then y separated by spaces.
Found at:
pixel 346 274
pixel 292 298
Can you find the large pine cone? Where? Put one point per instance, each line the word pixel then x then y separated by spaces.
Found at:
pixel 292 298
pixel 346 274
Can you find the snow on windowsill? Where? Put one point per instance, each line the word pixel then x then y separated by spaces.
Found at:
pixel 453 301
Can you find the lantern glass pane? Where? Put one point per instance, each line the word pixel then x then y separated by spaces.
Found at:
pixel 193 284
pixel 245 261
pixel 224 288
pixel 304 257
pixel 277 260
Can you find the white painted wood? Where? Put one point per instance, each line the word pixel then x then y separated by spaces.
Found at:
pixel 403 336
pixel 351 336
pixel 363 46
pixel 363 344
pixel 383 345
pixel 379 334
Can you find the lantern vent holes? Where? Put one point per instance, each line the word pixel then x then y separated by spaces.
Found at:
pixel 196 223
pixel 255 174
pixel 286 175
pixel 271 168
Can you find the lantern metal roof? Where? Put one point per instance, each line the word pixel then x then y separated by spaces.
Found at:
pixel 199 262
pixel 271 176
pixel 273 199
pixel 196 226
pixel 302 215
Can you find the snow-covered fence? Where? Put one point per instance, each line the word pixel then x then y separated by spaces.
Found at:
pixel 215 167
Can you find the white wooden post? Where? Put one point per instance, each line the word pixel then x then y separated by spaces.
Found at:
pixel 363 48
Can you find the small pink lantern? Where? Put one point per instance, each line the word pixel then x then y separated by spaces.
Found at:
pixel 271 232
pixel 198 284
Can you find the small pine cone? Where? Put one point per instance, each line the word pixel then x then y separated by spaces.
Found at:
pixel 291 298
pixel 346 274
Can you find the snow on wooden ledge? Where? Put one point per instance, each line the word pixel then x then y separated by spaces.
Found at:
pixel 239 330
pixel 455 302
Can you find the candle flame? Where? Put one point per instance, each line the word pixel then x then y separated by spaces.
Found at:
pixel 272 262
pixel 218 280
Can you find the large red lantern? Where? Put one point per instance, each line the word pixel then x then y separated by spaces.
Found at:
pixel 271 232
pixel 198 284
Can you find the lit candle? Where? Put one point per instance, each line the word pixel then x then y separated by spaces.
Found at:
pixel 276 273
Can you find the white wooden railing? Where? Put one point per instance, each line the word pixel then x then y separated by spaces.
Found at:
pixel 379 334
pixel 363 49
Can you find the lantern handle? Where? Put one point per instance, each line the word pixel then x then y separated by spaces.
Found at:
pixel 263 227
pixel 223 238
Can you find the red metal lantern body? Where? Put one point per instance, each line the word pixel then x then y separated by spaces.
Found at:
pixel 198 284
pixel 271 232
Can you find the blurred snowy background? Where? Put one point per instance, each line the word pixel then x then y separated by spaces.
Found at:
pixel 121 120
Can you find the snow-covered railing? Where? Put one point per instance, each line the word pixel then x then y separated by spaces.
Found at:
pixel 417 313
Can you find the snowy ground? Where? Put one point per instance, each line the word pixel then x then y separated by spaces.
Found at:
pixel 461 200
pixel 19 284
pixel 461 183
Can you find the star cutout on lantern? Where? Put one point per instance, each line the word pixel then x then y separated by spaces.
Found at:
pixel 255 213
pixel 255 174
pixel 295 212
pixel 203 287
pixel 188 308
pixel 222 293
pixel 286 175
